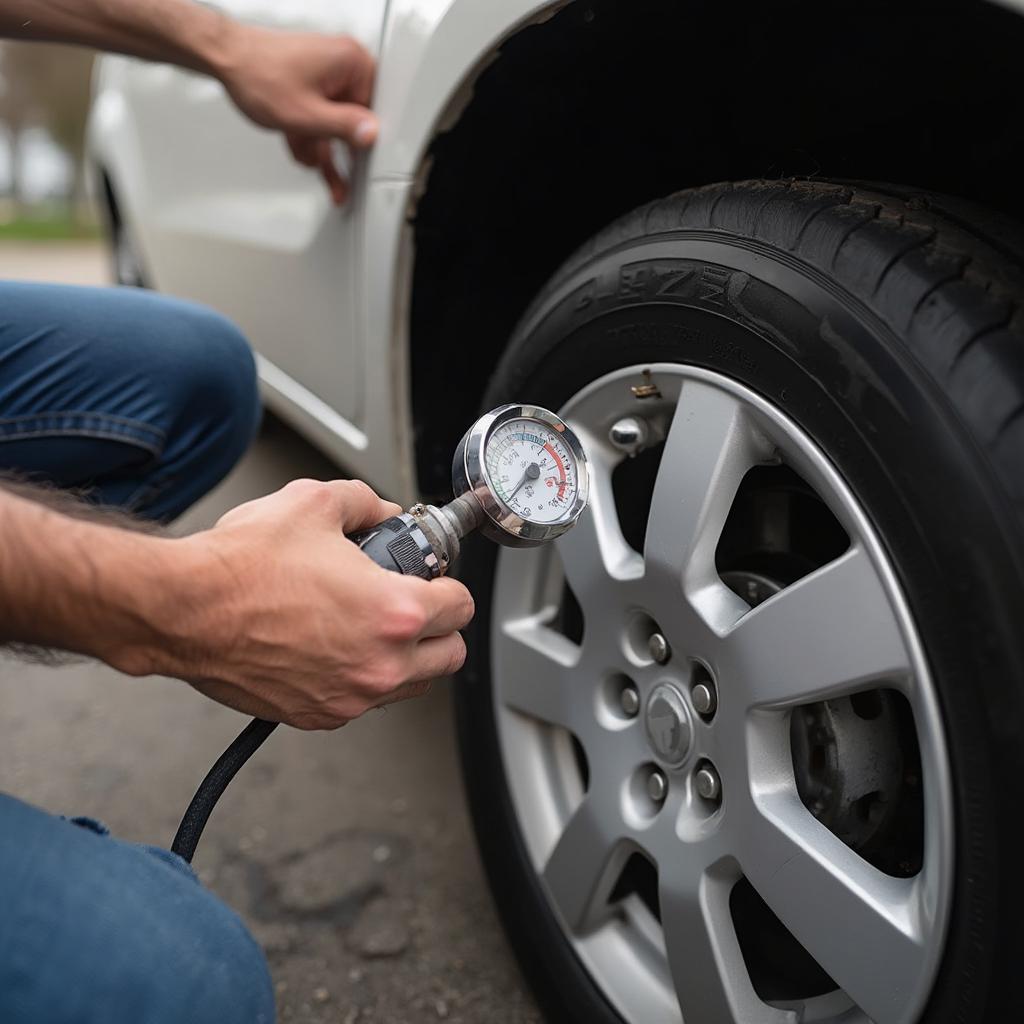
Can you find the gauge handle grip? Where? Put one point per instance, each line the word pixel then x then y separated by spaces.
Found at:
pixel 399 545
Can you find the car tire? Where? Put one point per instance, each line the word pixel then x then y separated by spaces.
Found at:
pixel 883 324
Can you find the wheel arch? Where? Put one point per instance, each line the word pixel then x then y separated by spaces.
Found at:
pixel 580 113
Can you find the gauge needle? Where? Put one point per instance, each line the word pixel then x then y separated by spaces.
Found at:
pixel 532 472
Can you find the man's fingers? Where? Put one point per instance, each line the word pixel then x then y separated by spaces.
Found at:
pixel 303 149
pixel 437 656
pixel 360 83
pixel 353 504
pixel 419 688
pixel 434 657
pixel 350 122
pixel 336 184
pixel 360 506
pixel 449 605
pixel 311 151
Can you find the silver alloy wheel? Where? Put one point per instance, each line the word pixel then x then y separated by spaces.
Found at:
pixel 841 629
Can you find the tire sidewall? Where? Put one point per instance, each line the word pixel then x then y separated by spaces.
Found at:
pixel 789 333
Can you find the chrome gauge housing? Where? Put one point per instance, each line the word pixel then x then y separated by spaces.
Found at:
pixel 477 462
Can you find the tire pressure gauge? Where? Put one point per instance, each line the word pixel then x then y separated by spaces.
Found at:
pixel 526 470
pixel 519 475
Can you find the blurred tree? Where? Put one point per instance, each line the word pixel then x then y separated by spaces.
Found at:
pixel 48 85
pixel 62 86
pixel 17 109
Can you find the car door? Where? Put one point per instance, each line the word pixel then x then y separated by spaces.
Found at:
pixel 224 215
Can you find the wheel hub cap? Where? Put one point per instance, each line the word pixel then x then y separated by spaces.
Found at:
pixel 667 723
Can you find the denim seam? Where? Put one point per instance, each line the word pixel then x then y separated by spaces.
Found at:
pixel 83 424
pixel 138 442
pixel 47 414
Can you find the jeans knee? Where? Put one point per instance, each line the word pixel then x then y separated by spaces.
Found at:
pixel 203 372
pixel 234 984
pixel 221 378
pixel 204 967
pixel 96 930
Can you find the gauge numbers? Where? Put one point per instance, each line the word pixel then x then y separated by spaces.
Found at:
pixel 531 469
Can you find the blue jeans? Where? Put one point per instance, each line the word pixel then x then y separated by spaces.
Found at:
pixel 143 400
pixel 147 402
pixel 94 930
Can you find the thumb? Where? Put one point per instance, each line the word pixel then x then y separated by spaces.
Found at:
pixel 358 506
pixel 350 122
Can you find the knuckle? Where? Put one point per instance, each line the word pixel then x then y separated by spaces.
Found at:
pixel 457 657
pixel 386 675
pixel 459 603
pixel 406 620
pixel 303 489
pixel 330 708
pixel 359 488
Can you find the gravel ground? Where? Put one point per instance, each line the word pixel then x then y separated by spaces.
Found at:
pixel 349 854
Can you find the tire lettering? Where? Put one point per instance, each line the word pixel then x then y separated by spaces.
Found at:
pixel 713 282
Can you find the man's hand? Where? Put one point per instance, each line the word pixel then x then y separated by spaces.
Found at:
pixel 291 621
pixel 314 88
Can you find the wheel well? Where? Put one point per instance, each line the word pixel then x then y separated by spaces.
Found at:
pixel 612 103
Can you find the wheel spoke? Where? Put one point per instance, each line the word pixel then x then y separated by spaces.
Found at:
pixel 710 977
pixel 537 670
pixel 825 635
pixel 710 446
pixel 865 928
pixel 584 865
pixel 594 552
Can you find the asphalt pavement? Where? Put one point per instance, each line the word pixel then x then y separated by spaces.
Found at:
pixel 349 854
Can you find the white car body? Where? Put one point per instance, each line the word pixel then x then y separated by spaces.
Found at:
pixel 221 214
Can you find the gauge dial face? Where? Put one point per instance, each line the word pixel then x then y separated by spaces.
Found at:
pixel 532 470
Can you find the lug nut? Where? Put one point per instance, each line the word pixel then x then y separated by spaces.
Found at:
pixel 657 787
pixel 659 648
pixel 629 701
pixel 704 699
pixel 709 785
pixel 629 434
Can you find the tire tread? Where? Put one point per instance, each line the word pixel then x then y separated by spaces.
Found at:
pixel 966 325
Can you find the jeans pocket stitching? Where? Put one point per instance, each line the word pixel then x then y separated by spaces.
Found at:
pixel 82 414
pixel 133 432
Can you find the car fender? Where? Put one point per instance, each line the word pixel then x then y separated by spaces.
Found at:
pixel 430 57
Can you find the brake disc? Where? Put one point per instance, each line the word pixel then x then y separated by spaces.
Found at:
pixel 848 756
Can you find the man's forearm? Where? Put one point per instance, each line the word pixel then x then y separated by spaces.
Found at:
pixel 176 31
pixel 84 586
pixel 272 611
